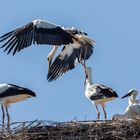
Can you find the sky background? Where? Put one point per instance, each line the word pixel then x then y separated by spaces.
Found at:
pixel 114 25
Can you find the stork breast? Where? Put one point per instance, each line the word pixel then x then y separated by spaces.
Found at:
pixel 13 99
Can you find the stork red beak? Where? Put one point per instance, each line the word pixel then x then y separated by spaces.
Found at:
pixel 129 94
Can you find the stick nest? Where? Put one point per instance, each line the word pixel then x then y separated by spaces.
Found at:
pixel 73 130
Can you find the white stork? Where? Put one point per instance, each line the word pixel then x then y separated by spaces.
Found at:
pixel 71 54
pixel 131 112
pixel 39 32
pixel 10 93
pixel 97 93
pixel 133 109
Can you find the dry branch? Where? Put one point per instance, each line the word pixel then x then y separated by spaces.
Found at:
pixel 78 130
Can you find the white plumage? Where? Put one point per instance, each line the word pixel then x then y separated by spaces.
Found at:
pixel 97 93
pixel 133 109
pixel 44 24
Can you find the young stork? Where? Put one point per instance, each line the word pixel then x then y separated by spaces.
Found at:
pixel 97 93
pixel 131 112
pixel 10 93
pixel 133 109
pixel 39 32
pixel 72 54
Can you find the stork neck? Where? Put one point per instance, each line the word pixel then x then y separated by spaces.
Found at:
pixel 132 99
pixel 53 51
pixel 89 79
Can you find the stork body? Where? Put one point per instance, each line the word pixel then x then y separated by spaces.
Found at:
pixel 9 94
pixel 97 93
pixel 133 109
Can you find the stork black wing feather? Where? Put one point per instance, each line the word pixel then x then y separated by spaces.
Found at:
pixel 54 36
pixel 18 34
pixel 36 32
pixel 103 92
pixel 62 63
pixel 13 90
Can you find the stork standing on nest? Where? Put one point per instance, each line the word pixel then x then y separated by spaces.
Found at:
pixel 97 93
pixel 42 32
pixel 133 109
pixel 10 93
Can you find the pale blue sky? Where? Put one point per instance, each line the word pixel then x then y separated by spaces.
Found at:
pixel 115 25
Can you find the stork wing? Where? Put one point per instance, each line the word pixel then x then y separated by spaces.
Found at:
pixel 75 31
pixel 107 91
pixel 18 39
pixel 11 90
pixel 103 92
pixel 65 61
pixel 36 32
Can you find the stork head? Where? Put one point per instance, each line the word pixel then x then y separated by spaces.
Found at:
pixel 131 92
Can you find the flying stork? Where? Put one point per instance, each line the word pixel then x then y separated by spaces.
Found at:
pixel 97 93
pixel 133 109
pixel 72 54
pixel 10 93
pixel 39 32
